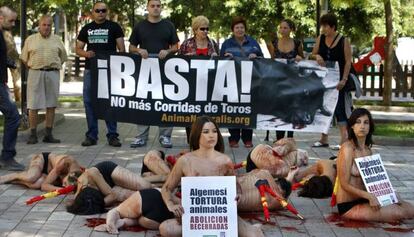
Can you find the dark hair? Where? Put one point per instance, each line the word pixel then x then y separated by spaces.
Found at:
pixel 290 23
pixel 317 187
pixel 237 20
pixel 330 20
pixel 196 130
pixel 89 201
pixel 153 0
pixel 285 185
pixel 357 113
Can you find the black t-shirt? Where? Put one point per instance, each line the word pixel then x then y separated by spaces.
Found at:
pixel 100 37
pixel 154 36
pixel 3 59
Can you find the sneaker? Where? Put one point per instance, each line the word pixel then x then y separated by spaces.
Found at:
pixel 50 139
pixel 139 142
pixel 32 139
pixel 165 142
pixel 114 141
pixel 233 144
pixel 11 165
pixel 248 144
pixel 336 147
pixel 88 142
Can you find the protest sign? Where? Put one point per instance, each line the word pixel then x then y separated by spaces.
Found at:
pixel 210 206
pixel 376 179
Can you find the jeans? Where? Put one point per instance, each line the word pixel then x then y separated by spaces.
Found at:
pixel 246 134
pixel 143 132
pixel 92 121
pixel 11 123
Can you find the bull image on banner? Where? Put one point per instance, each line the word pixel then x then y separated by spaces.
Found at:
pixel 260 93
pixel 210 206
pixel 376 179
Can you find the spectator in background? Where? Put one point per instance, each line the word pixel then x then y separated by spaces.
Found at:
pixel 287 48
pixel 44 54
pixel 7 106
pixel 101 34
pixel 13 55
pixel 240 45
pixel 199 44
pixel 158 36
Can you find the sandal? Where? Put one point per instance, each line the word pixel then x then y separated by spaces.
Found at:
pixel 320 144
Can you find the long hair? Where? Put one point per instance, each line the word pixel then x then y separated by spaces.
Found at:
pixel 196 130
pixel 317 187
pixel 285 185
pixel 357 113
pixel 89 201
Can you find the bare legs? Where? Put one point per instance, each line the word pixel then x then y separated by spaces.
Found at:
pixel 32 178
pixel 126 179
pixel 391 213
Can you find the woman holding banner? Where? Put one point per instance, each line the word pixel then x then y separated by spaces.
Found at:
pixel 287 48
pixel 199 44
pixel 331 46
pixel 354 202
pixel 240 45
pixel 205 159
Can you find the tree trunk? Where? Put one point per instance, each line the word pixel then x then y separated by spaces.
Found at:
pixel 389 54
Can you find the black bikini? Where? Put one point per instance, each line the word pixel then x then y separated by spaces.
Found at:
pixel 153 206
pixel 106 168
pixel 145 169
pixel 45 162
pixel 346 206
pixel 250 165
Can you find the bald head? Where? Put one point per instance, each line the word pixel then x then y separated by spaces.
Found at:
pixel 7 18
pixel 45 25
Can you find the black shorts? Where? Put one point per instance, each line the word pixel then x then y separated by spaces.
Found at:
pixel 250 165
pixel 346 206
pixel 145 169
pixel 153 206
pixel 106 168
pixel 45 162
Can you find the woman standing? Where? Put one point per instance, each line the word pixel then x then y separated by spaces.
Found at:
pixel 332 46
pixel 200 44
pixel 240 45
pixel 287 48
pixel 354 202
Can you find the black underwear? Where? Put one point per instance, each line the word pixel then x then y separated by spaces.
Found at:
pixel 45 162
pixel 250 165
pixel 106 168
pixel 346 206
pixel 145 168
pixel 153 206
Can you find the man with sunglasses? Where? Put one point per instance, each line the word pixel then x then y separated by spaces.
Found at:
pixel 103 35
pixel 153 36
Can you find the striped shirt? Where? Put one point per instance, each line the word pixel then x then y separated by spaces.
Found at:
pixel 39 52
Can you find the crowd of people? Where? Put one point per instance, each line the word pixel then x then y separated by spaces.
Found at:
pixel 151 199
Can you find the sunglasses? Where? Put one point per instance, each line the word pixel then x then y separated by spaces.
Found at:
pixel 100 10
pixel 204 28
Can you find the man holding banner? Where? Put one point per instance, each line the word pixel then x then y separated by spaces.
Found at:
pixel 158 37
pixel 101 34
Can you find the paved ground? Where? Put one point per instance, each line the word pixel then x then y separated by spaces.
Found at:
pixel 49 218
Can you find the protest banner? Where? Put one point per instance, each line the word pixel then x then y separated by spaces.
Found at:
pixel 240 93
pixel 376 179
pixel 210 206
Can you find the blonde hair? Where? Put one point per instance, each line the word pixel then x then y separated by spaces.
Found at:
pixel 198 21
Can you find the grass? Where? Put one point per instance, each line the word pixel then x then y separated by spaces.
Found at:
pixel 376 102
pixel 405 130
pixel 71 99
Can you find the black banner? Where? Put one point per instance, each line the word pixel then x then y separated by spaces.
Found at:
pixel 174 91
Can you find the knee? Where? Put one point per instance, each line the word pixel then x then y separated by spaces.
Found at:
pixel 164 229
pixel 167 229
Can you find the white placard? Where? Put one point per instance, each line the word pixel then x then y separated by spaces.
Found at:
pixel 376 179
pixel 210 208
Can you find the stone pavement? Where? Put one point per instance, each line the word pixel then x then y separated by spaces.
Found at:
pixel 49 218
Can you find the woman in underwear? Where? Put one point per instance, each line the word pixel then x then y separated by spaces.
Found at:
pixel 205 159
pixel 46 172
pixel 145 208
pixel 354 202
pixel 317 180
pixel 112 181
